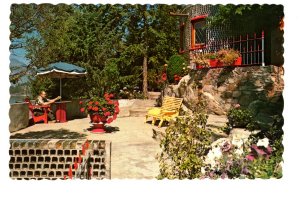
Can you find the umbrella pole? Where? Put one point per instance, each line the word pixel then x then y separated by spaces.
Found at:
pixel 60 87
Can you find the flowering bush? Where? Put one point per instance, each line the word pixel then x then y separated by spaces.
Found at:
pixel 228 56
pixel 106 108
pixel 241 159
pixel 201 60
pixel 225 56
pixel 131 93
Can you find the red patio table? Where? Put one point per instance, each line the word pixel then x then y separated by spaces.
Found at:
pixel 61 111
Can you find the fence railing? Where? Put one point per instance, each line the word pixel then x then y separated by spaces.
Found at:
pixel 251 47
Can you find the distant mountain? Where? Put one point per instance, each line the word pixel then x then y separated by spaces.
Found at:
pixel 18 63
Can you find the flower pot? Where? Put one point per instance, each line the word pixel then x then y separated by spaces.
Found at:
pixel 98 128
pixel 213 62
pixel 96 118
pixel 238 61
pixel 98 123
pixel 220 64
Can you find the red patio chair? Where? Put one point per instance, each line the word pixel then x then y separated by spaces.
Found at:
pixel 43 117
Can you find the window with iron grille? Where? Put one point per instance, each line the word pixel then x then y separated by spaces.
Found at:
pixel 198 39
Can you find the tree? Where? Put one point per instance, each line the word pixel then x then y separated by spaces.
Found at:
pixel 85 35
pixel 152 36
pixel 108 40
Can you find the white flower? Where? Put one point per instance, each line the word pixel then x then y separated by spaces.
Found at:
pixel 263 142
pixel 239 152
pixel 217 152
pixel 237 142
pixel 212 155
pixel 202 170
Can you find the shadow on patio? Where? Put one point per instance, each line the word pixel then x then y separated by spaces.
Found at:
pixel 49 134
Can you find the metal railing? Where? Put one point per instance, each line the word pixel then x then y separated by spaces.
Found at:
pixel 251 47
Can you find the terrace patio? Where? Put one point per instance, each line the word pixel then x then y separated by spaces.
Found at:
pixel 133 148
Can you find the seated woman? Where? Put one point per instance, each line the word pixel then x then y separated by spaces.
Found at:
pixel 43 101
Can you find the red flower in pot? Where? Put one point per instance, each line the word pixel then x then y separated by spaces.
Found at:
pixel 101 109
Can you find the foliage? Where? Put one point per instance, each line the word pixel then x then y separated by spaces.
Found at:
pixel 97 37
pixel 224 160
pixel 238 159
pixel 275 136
pixel 43 84
pixel 262 164
pixel 274 133
pixel 188 152
pixel 175 67
pixel 105 107
pixel 156 78
pixel 241 118
pixel 130 93
pixel 248 18
pixel 152 37
pixel 185 143
pixel 227 56
pixel 201 60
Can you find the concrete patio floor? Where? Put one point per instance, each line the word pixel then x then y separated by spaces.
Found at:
pixel 133 148
pixel 134 151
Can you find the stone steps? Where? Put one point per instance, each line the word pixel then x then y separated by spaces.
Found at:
pixel 138 112
pixel 153 95
pixel 139 107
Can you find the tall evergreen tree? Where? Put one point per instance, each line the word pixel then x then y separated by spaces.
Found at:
pixel 120 41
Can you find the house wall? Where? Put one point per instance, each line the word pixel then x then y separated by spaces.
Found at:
pixel 273 39
pixel 196 10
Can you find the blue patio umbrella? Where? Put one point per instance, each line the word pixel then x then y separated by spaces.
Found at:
pixel 61 70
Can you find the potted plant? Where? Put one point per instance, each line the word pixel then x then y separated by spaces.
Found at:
pixel 101 110
pixel 201 61
pixel 229 57
pixel 213 59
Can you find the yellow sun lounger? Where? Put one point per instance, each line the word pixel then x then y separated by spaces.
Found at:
pixel 169 110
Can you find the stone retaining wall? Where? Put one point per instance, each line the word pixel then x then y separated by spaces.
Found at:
pixel 256 87
pixel 51 159
pixel 19 116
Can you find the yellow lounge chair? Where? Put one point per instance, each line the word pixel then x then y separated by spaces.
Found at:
pixel 169 110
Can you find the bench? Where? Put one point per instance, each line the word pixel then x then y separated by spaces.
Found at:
pixel 169 110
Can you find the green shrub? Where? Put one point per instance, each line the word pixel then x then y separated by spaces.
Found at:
pixel 275 135
pixel 175 67
pixel 185 143
pixel 241 118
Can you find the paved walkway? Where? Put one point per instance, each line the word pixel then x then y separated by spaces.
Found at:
pixel 133 148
